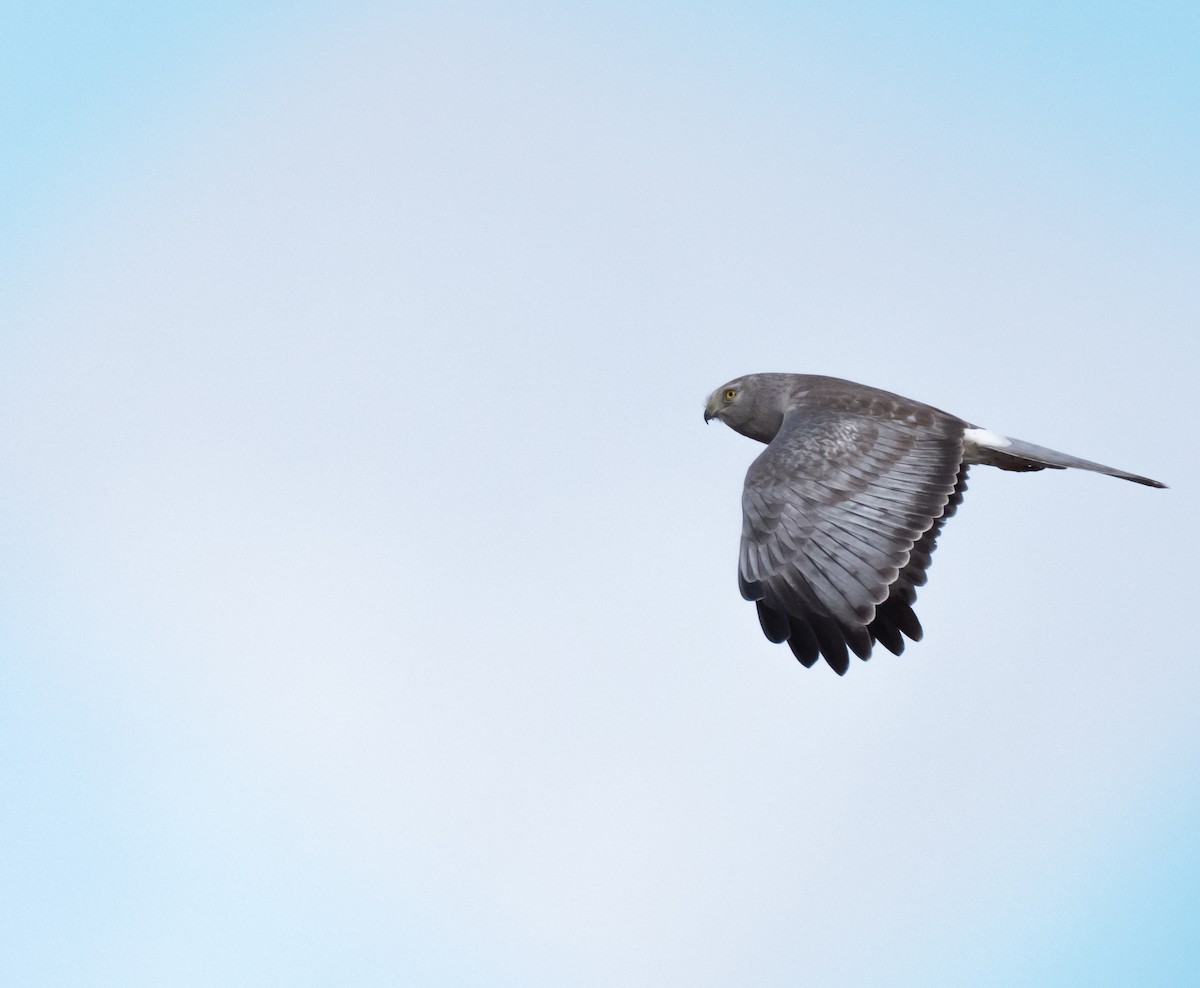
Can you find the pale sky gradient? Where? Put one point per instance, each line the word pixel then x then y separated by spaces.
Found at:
pixel 369 607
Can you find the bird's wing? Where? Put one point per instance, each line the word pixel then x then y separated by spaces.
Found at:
pixel 835 513
pixel 894 618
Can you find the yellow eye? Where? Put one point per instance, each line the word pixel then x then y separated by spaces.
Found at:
pixel 730 394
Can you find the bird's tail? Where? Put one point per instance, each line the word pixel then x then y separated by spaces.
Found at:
pixel 1020 455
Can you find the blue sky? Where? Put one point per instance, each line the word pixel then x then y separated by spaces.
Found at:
pixel 368 593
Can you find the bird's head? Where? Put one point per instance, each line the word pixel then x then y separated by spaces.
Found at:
pixel 753 405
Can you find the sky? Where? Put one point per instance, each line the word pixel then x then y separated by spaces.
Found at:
pixel 368 602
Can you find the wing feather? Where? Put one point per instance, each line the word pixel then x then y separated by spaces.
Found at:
pixel 841 513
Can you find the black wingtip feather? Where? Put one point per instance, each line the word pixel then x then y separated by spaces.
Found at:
pixel 903 617
pixel 887 634
pixel 803 643
pixel 860 641
pixel 775 624
pixel 833 645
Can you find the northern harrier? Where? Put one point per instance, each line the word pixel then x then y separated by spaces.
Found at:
pixel 841 512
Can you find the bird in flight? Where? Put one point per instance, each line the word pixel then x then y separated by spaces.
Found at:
pixel 842 511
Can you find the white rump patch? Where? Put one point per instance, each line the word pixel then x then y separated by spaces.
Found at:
pixel 986 439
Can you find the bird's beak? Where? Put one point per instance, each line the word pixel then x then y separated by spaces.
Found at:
pixel 711 408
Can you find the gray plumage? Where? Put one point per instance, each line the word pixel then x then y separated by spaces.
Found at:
pixel 842 511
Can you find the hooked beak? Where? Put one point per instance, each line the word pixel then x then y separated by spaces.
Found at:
pixel 711 408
